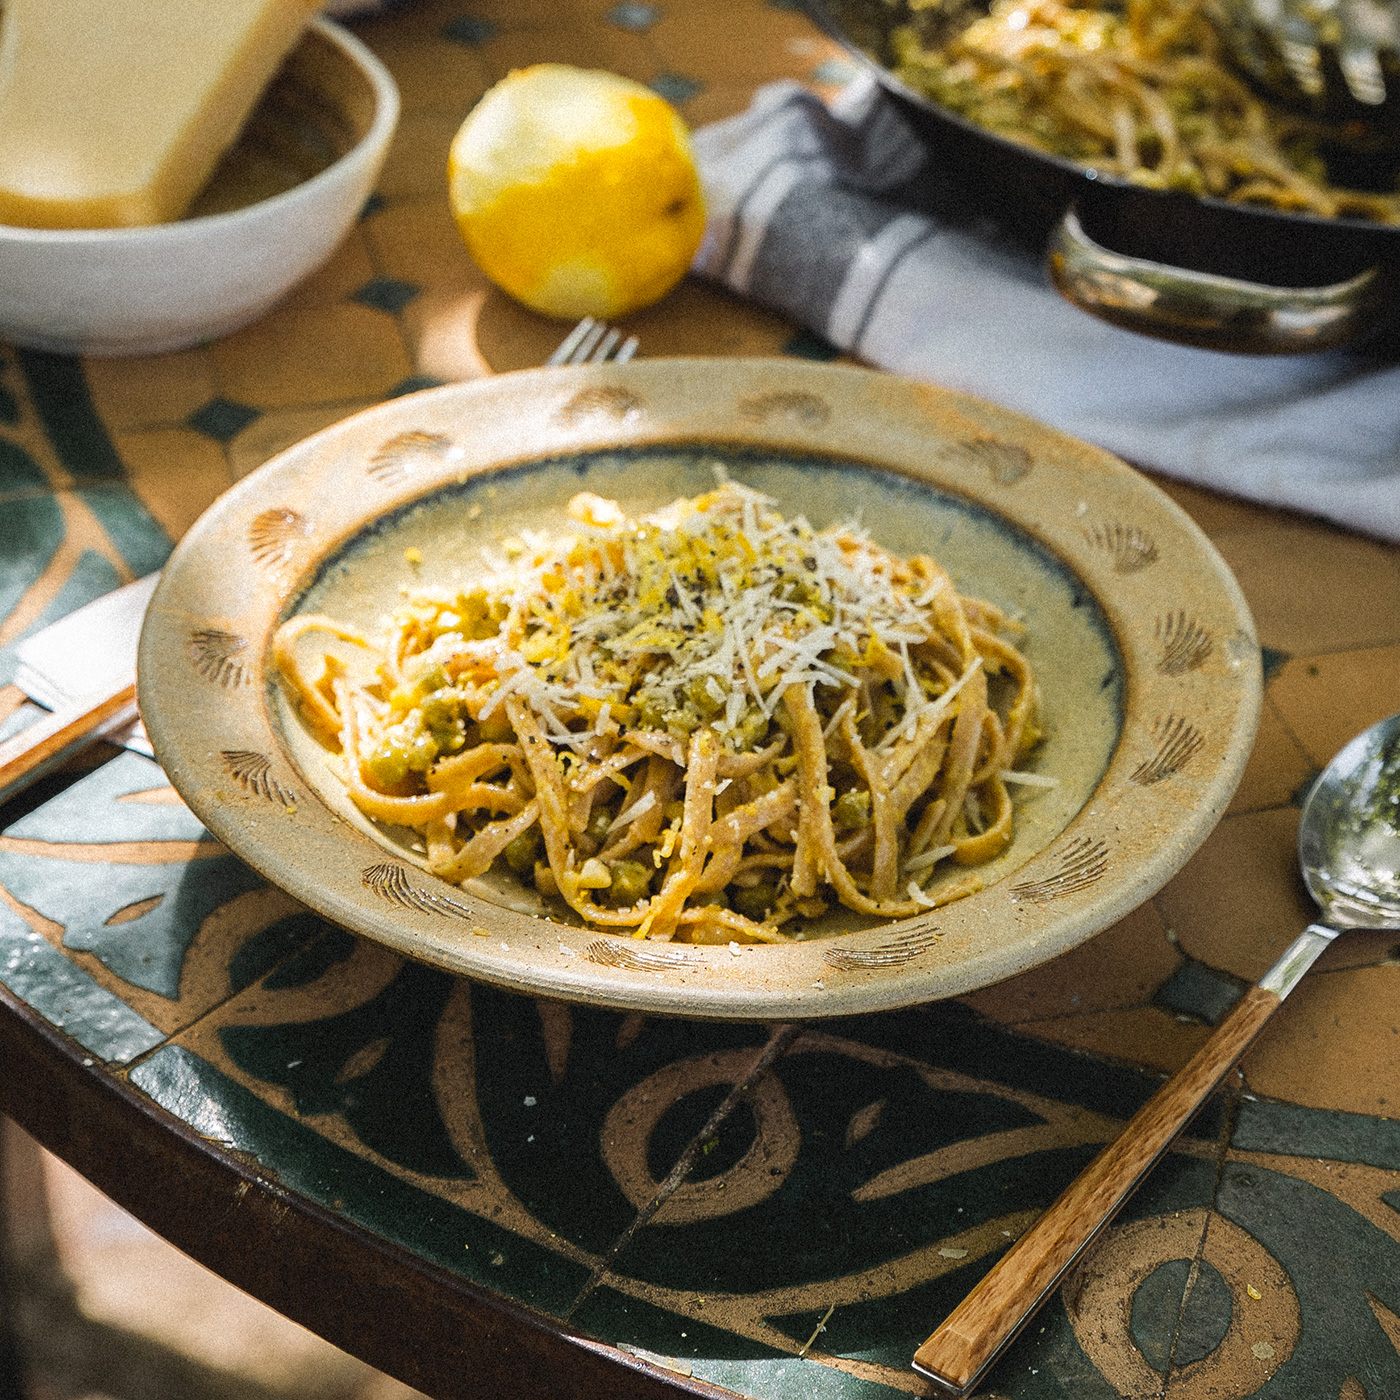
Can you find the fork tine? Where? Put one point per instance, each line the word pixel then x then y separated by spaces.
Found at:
pixel 585 347
pixel 590 342
pixel 563 355
pixel 605 348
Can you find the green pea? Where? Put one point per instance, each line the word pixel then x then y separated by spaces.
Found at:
pixel 480 617
pixel 520 854
pixel 755 901
pixel 496 730
pixel 703 698
pixel 441 709
pixel 434 678
pixel 679 723
pixel 851 810
pixel 388 766
pixel 631 881
pixel 422 753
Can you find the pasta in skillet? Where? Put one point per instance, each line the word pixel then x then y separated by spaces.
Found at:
pixel 1141 89
pixel 697 725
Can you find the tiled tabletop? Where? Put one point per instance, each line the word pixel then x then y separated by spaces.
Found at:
pixel 880 1165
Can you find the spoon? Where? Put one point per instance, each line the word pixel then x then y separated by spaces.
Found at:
pixel 1349 851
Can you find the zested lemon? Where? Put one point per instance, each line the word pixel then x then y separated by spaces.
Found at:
pixel 576 191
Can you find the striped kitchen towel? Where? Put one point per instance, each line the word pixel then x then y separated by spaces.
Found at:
pixel 804 217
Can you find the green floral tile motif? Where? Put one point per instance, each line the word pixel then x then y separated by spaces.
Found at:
pixel 33 532
pixel 18 470
pixel 1310 1132
pixel 55 401
pixel 294 952
pixel 9 404
pixel 114 918
pixel 307 1162
pixel 371 1065
pixel 138 536
pixel 59 392
pixel 101 809
pixel 1176 1319
pixel 221 420
pixel 67 997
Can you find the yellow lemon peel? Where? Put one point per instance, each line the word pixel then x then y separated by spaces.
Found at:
pixel 576 191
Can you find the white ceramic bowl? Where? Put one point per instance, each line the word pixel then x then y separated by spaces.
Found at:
pixel 138 291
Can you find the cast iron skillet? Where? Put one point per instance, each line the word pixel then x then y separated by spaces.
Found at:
pixel 1189 268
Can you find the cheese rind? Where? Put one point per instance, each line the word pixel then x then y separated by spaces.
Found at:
pixel 115 114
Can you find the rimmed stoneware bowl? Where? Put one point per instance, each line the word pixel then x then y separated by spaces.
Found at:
pixel 1144 648
pixel 274 211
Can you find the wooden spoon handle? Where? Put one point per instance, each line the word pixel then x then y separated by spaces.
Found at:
pixel 1000 1305
pixel 45 744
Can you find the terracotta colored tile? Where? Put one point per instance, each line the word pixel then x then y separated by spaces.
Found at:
pixel 585 46
pixel 1120 967
pixel 295 358
pixel 280 429
pixel 441 329
pixel 418 242
pixel 1276 768
pixel 1339 591
pixel 348 269
pixel 417 163
pixel 435 75
pixel 507 14
pixel 1213 512
pixel 511 336
pixel 716 102
pixel 1334 1044
pixel 141 391
pixel 1143 1035
pixel 695 318
pixel 1240 901
pixel 699 318
pixel 177 472
pixel 1328 700
pixel 702 40
pixel 1361 948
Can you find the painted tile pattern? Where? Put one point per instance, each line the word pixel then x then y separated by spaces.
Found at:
pixel 879 1165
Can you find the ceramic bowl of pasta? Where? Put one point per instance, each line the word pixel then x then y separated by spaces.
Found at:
pixel 733 689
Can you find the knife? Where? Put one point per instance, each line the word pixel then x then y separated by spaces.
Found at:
pixel 83 669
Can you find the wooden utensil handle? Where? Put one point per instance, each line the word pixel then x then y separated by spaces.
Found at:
pixel 41 747
pixel 999 1306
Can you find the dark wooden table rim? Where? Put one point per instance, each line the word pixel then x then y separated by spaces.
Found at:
pixel 422 1324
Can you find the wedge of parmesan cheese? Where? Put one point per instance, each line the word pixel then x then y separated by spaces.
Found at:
pixel 115 114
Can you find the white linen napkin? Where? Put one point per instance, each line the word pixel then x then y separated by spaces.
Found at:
pixel 797 221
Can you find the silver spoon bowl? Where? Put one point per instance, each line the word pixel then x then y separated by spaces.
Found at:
pixel 1349 839
pixel 1349 850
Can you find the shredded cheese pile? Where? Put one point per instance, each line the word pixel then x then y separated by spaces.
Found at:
pixel 703 611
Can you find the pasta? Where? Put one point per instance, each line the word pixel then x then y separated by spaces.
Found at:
pixel 1140 90
pixel 699 725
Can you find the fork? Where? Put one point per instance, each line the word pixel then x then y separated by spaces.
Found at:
pixel 595 343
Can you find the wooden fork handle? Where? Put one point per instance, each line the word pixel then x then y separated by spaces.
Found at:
pixel 45 744
pixel 989 1318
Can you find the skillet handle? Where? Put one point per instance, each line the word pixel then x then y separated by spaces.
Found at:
pixel 1203 309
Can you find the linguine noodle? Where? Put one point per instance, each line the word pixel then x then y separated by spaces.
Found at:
pixel 699 725
pixel 1139 89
